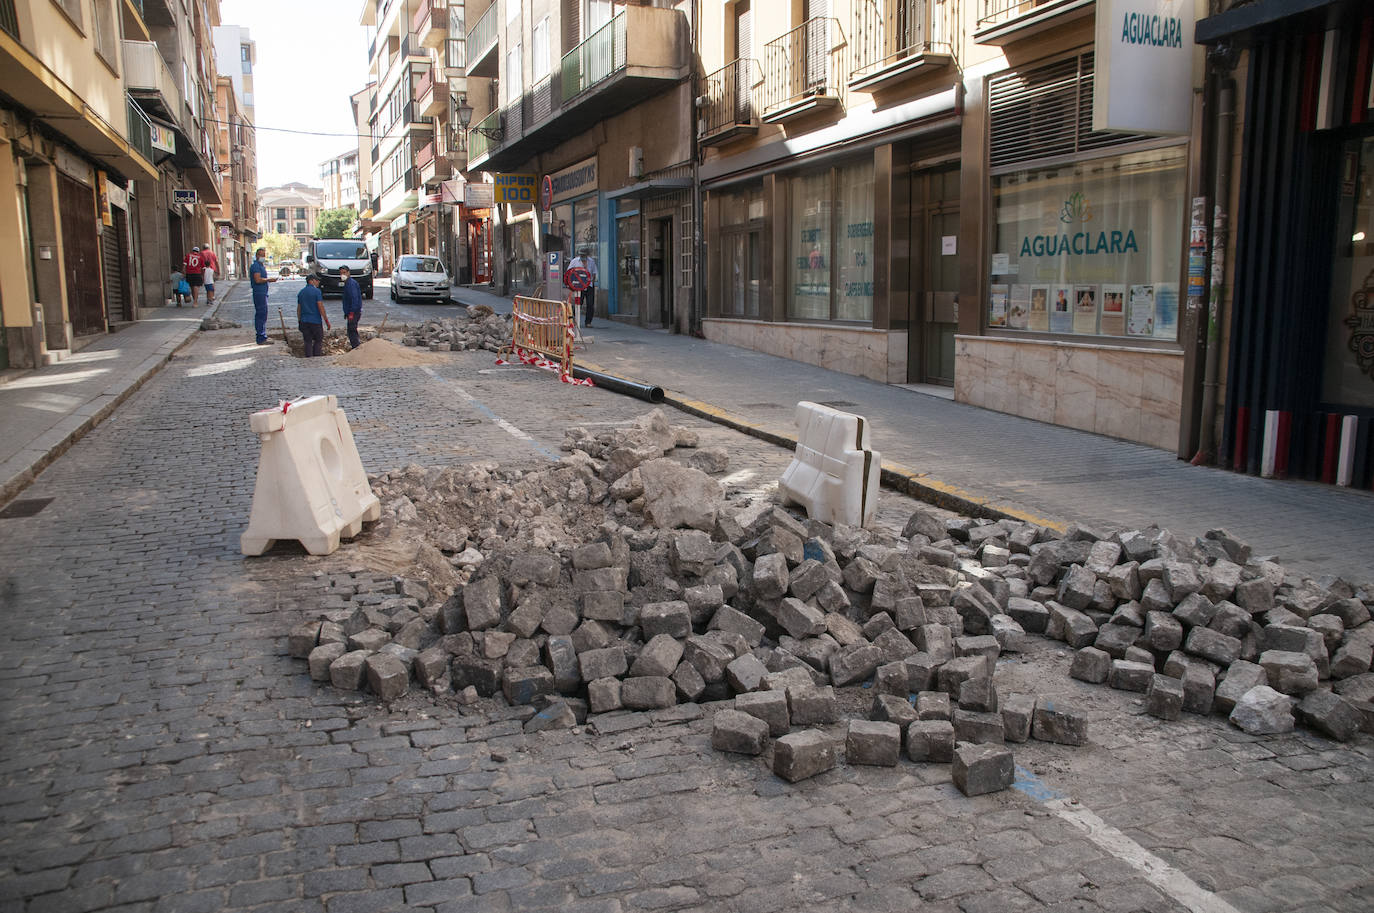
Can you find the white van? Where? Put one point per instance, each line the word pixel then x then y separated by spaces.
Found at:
pixel 324 257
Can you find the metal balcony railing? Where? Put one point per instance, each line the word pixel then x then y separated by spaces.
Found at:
pixel 480 137
pixel 730 97
pixel 538 102
pixel 482 37
pixel 456 55
pixel 140 129
pixel 9 20
pixel 999 11
pixel 888 31
pixel 421 17
pixel 595 59
pixel 803 63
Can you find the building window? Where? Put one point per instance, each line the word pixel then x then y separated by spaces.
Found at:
pixel 246 58
pixel 281 212
pixel 830 245
pixel 73 10
pixel 1090 248
pixel 512 11
pixel 300 212
pixel 515 76
pixel 539 50
pixel 741 251
pixel 281 228
pixel 300 228
pixel 1348 369
pixel 106 33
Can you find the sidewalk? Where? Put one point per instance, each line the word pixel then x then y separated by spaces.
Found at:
pixel 46 410
pixel 975 460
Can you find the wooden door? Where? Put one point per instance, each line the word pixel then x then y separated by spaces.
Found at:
pixel 81 256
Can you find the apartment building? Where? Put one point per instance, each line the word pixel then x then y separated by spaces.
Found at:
pixel 170 72
pixel 236 218
pixel 85 161
pixel 590 102
pixel 289 210
pixel 236 53
pixel 339 179
pixel 418 76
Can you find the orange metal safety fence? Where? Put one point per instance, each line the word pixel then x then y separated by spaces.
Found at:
pixel 542 335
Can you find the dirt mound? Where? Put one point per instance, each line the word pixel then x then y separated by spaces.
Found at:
pixel 382 353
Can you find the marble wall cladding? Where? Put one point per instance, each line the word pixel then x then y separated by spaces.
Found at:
pixel 1133 394
pixel 876 354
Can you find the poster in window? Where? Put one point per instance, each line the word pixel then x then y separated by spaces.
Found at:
pixel 997 306
pixel 1166 310
pixel 1140 313
pixel 1085 309
pixel 1018 307
pixel 1039 319
pixel 1061 310
pixel 1113 310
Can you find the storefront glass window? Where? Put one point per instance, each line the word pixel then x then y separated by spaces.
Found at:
pixel 830 266
pixel 1090 248
pixel 584 223
pixel 627 265
pixel 560 231
pixel 1348 371
pixel 740 250
pixel 808 274
pixel 525 273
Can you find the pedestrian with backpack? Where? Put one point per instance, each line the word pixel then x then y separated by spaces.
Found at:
pixel 194 268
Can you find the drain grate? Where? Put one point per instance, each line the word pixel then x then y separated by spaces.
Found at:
pixel 24 507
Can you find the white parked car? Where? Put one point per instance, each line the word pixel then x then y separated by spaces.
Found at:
pixel 419 278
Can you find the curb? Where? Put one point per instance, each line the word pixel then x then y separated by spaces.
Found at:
pixel 13 486
pixel 893 475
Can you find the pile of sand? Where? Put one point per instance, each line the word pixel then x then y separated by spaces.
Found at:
pixel 382 353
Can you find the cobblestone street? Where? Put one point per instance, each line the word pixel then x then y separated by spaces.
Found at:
pixel 162 752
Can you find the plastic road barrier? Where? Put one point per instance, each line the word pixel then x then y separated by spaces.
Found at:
pixel 834 472
pixel 311 483
pixel 542 335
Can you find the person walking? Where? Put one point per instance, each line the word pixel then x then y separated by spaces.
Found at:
pixel 352 305
pixel 310 315
pixel 584 260
pixel 257 276
pixel 194 268
pixel 207 254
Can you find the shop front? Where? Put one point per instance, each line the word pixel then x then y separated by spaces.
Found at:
pixel 1077 321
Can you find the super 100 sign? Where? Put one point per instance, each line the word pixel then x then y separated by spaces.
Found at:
pixel 517 188
pixel 1144 66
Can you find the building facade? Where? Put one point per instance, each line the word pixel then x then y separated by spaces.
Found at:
pixel 589 104
pixel 235 56
pixel 339 178
pixel 418 81
pixel 289 210
pixel 105 123
pixel 236 218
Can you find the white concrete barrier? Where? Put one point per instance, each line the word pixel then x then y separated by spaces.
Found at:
pixel 834 472
pixel 311 483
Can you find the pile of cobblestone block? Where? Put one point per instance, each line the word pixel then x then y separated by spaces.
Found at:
pixel 480 330
pixel 1206 627
pixel 671 592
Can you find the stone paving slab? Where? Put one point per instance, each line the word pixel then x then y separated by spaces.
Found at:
pixel 160 751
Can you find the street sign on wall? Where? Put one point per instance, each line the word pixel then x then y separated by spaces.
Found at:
pixel 1143 79
pixel 479 196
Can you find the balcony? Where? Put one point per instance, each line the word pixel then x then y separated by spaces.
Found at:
pixel 147 78
pixel 455 46
pixel 639 54
pixel 431 23
pixel 1006 21
pixel 482 55
pixel 895 39
pixel 801 70
pixel 487 135
pixel 431 95
pixel 432 168
pixel 729 110
pixel 9 20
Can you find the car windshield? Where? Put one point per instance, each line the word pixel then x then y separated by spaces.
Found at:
pixel 420 265
pixel 340 250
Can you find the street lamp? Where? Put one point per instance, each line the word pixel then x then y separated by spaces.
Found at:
pixel 465 117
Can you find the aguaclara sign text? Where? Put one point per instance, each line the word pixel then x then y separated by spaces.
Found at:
pixel 1143 76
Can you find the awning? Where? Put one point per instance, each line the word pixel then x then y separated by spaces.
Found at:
pixel 652 188
pixel 1252 16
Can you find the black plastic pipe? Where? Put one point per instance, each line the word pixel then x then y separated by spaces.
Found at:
pixel 615 384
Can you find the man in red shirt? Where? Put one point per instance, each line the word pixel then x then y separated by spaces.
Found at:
pixel 194 268
pixel 207 254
